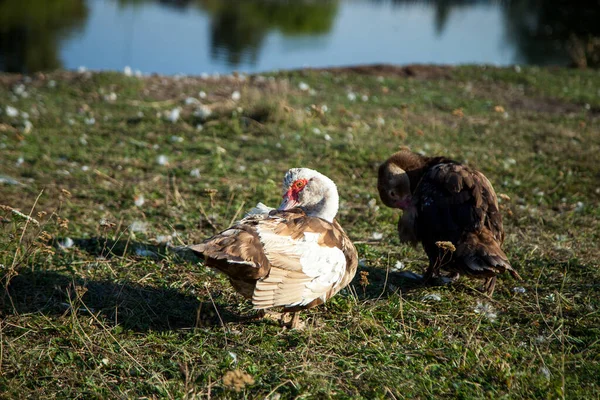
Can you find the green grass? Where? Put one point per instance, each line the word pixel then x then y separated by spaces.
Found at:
pixel 116 315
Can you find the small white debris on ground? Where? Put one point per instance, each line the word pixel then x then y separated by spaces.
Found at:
pixel 164 239
pixel 195 173
pixel 377 236
pixel 162 160
pixel 202 112
pixel 138 226
pixel 519 289
pixel 174 115
pixel 27 126
pixel 372 203
pixel 20 90
pixel 486 310
pixel 12 112
pixel 303 86
pixel 112 96
pixel 139 200
pixel 66 243
pixel 431 297
pixel 235 96
pixel 399 266
pixel 233 357
pixel 509 162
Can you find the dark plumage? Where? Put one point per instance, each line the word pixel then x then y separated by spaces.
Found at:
pixel 446 201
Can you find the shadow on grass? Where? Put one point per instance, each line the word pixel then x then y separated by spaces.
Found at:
pixel 382 283
pixel 140 308
pixel 103 247
pixel 130 305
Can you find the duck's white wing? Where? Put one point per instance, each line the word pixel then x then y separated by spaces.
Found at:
pixel 306 260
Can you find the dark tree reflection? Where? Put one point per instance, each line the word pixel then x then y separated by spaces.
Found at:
pixel 31 32
pixel 238 28
pixel 545 32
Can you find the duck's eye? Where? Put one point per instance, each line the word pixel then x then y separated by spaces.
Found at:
pixel 299 184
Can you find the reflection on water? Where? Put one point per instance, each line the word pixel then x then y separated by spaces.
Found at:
pixel 31 31
pixel 193 36
pixel 545 32
pixel 238 28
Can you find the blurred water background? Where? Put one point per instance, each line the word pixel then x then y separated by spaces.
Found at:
pixel 220 36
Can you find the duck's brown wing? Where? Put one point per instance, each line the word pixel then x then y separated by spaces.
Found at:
pixel 237 251
pixel 457 204
pixel 452 199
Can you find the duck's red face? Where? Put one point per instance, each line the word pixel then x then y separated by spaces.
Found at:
pixel 291 197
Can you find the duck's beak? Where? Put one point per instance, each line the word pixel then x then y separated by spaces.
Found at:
pixel 288 202
pixel 404 203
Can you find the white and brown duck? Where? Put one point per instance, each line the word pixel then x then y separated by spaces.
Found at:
pixel 445 201
pixel 295 257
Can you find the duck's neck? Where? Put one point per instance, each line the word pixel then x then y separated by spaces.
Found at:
pixel 327 208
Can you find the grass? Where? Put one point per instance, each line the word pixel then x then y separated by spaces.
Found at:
pixel 94 306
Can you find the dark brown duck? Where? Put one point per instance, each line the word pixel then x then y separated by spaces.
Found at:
pixel 445 201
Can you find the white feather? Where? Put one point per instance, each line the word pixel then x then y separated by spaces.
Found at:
pixel 259 209
pixel 321 266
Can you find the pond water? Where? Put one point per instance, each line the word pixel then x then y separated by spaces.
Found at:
pixel 208 36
